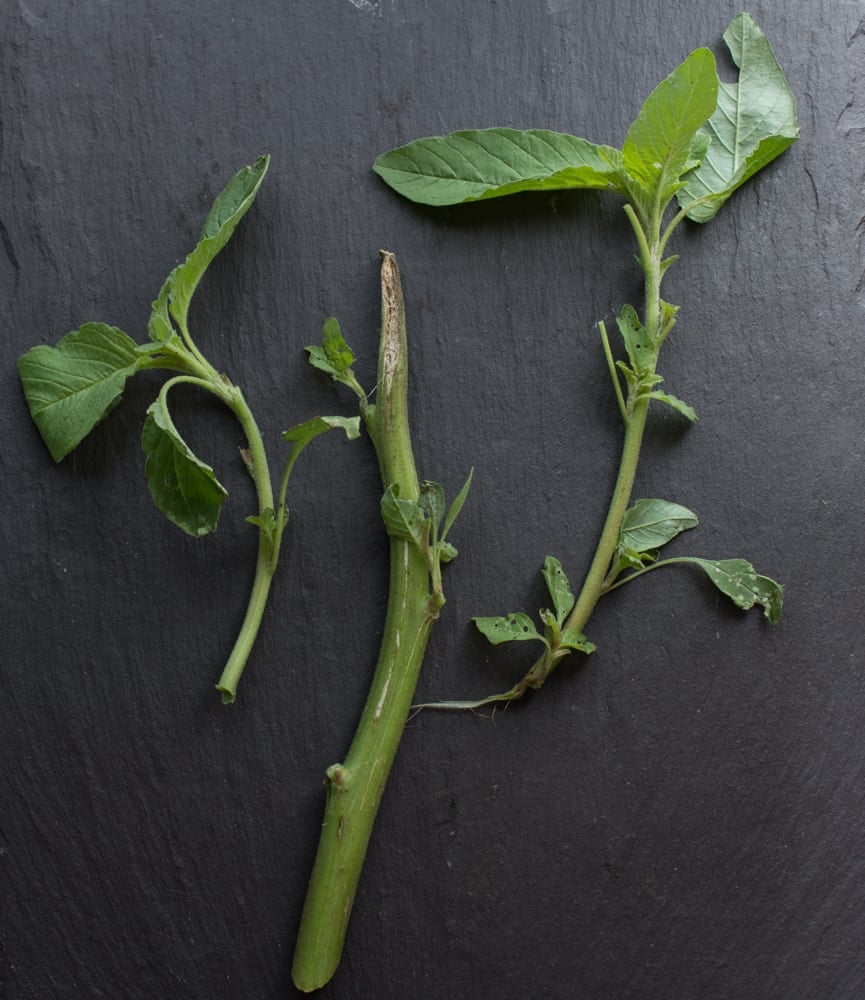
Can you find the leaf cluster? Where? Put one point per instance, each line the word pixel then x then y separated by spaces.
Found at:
pixel 74 385
pixel 695 139
pixel 556 637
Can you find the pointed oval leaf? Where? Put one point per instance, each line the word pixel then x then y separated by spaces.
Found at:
pixel 659 145
pixel 649 524
pixel 71 387
pixel 489 163
pixel 508 628
pixel 754 123
pixel 457 505
pixel 229 207
pixel 182 486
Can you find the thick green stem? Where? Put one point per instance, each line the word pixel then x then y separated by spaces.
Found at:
pixel 355 787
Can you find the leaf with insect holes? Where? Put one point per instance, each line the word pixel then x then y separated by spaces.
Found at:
pixel 738 579
pixel 490 163
pixel 559 588
pixel 71 387
pixel 508 628
pixel 642 353
pixel 754 123
pixel 182 486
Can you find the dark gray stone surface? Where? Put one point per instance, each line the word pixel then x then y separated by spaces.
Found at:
pixel 679 817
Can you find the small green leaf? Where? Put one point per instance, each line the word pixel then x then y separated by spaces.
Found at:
pixel 334 356
pixel 446 552
pixel 642 353
pixel 678 405
pixel 457 505
pixel 268 522
pixel 301 434
pixel 738 579
pixel 649 524
pixel 159 326
pixel 182 486
pixel 71 387
pixel 403 518
pixel 432 502
pixel 659 146
pixel 572 639
pixel 489 163
pixel 754 123
pixel 229 207
pixel 515 626
pixel 559 588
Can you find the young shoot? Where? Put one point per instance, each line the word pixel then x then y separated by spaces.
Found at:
pixel 694 142
pixel 70 388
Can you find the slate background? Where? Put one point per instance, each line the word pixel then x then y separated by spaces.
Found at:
pixel 679 816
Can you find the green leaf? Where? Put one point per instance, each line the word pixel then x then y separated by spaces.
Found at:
pixel 559 588
pixel 572 639
pixel 754 123
pixel 301 434
pixel 515 626
pixel 489 163
pixel 231 204
pixel 71 387
pixel 679 405
pixel 660 146
pixel 446 552
pixel 457 505
pixel 182 486
pixel 159 326
pixel 738 579
pixel 403 518
pixel 334 356
pixel 268 521
pixel 649 524
pixel 641 351
pixel 432 502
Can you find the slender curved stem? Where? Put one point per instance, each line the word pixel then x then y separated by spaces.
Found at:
pixel 268 545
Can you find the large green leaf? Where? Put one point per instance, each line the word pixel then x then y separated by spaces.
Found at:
pixel 490 163
pixel 754 123
pixel 182 486
pixel 231 204
pixel 71 387
pixel 659 146
pixel 649 524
